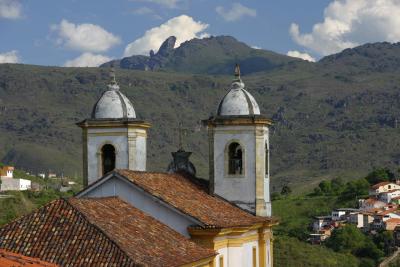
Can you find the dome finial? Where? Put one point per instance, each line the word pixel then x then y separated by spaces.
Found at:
pixel 237 71
pixel 113 82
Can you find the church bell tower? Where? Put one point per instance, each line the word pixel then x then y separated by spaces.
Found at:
pixel 239 151
pixel 113 138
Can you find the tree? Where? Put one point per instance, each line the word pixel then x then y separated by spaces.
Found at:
pixel 286 190
pixel 380 175
pixel 337 185
pixel 350 239
pixel 347 239
pixel 325 186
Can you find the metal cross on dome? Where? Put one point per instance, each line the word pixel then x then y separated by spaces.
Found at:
pixel 237 71
pixel 181 133
pixel 112 76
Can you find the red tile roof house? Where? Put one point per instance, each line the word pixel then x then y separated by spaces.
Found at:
pixel 9 259
pixel 74 232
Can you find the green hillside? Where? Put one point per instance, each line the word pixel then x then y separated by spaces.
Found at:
pixel 329 119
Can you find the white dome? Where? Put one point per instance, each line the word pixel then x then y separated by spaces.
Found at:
pixel 113 105
pixel 238 102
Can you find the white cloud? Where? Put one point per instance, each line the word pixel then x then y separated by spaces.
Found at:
pixel 303 56
pixel 348 23
pixel 182 27
pixel 9 57
pixel 166 3
pixel 84 37
pixel 236 12
pixel 87 60
pixel 10 9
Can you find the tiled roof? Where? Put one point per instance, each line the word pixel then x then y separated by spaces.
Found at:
pixel 98 232
pixel 9 259
pixel 393 220
pixel 192 199
pixel 376 186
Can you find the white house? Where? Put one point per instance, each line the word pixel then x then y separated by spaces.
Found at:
pixel 361 219
pixel 320 222
pixel 11 184
pixel 382 187
pixel 389 195
pixel 342 214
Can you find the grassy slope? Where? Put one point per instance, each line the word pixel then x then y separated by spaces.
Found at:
pixel 289 251
pixel 295 214
pixel 325 125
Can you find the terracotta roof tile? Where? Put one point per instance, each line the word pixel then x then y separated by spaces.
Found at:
pixel 192 199
pixel 97 232
pixel 9 259
pixel 376 186
pixel 142 237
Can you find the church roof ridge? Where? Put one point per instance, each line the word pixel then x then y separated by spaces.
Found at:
pixel 192 199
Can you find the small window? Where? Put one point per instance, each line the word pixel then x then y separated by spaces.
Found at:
pixel 221 261
pixel 108 158
pixel 235 154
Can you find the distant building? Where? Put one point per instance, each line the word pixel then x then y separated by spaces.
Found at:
pixel 41 175
pixel 320 222
pixel 382 187
pixel 11 184
pixel 391 224
pixel 342 213
pixel 8 183
pixel 6 172
pixel 371 203
pixel 389 195
pixel 52 175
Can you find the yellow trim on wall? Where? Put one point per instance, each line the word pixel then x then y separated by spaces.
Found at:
pixel 207 262
pixel 233 237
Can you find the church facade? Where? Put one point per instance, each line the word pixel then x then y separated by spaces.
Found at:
pixel 224 221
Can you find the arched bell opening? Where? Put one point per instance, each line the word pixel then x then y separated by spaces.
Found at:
pixel 107 158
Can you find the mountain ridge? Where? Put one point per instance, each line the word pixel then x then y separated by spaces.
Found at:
pixel 212 55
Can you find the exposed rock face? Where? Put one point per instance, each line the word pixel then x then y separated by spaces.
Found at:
pixel 167 47
pixel 153 62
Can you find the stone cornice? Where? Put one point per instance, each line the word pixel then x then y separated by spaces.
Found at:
pixel 102 123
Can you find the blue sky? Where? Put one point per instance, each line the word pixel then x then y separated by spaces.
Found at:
pixel 88 32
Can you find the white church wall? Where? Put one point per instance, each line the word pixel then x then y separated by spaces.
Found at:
pixel 229 187
pixel 141 151
pixel 143 201
pixel 97 138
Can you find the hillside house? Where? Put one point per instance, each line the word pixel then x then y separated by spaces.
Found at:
pixel 391 224
pixel 6 172
pixel 12 184
pixel 320 222
pixel 370 203
pixel 389 195
pixel 9 183
pixel 361 219
pixel 342 213
pixel 382 187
